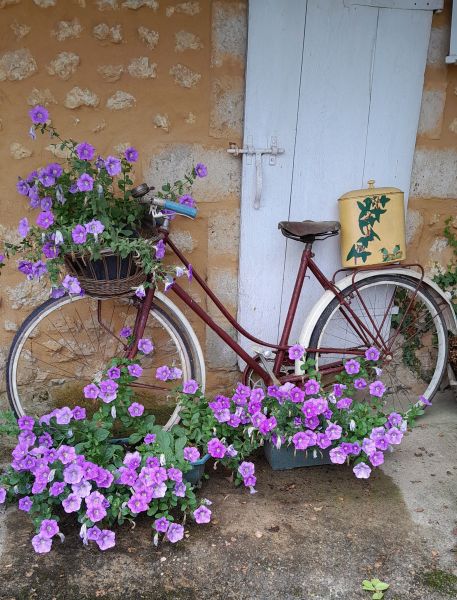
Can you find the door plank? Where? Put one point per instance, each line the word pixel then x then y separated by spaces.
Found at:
pixel 275 45
pixel 332 128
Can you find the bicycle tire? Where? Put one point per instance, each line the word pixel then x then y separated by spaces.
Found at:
pixel 164 313
pixel 439 369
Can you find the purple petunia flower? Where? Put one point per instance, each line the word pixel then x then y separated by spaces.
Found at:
pixel 23 187
pixel 125 332
pixel 150 438
pixel 161 525
pixel 425 401
pixel 38 114
pixel 245 469
pixel 79 234
pixel 49 528
pixel 106 539
pixel 191 454
pixel 45 219
pixel 376 458
pixel 175 532
pixel 132 460
pixel 72 503
pixel 140 292
pixel 73 473
pixel 56 488
pixel 91 391
pixel 2 495
pixel 352 367
pixel 23 227
pixel 26 423
pixel 300 440
pixel 190 387
pixel 372 354
pixel 377 388
pixel 93 533
pixel 131 154
pixel 85 151
pixel 95 227
pixel 85 183
pixel 344 403
pixel 362 470
pixel 360 383
pixel 114 372
pixel 136 409
pixel 334 431
pixel 216 448
pixel 54 170
pixel 25 503
pixel 108 390
pixel 160 249
pixel 202 515
pixel 46 203
pixel 337 455
pixel 201 170
pixel 41 544
pixel 50 250
pixel 187 201
pixel 394 436
pixel 394 419
pixel 45 178
pixel 145 346
pixel 296 352
pixel 163 373
pixel 113 165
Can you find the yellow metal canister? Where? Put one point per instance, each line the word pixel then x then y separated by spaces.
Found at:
pixel 372 226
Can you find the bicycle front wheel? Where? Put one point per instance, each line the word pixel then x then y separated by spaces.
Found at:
pixel 403 321
pixel 67 342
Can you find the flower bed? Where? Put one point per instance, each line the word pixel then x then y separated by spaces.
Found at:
pixel 68 462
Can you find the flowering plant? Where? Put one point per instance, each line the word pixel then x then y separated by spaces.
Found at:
pixel 84 206
pixel 68 462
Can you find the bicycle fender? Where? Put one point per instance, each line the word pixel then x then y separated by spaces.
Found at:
pixel 438 294
pixel 172 306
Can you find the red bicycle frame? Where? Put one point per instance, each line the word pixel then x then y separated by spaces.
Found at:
pixel 368 336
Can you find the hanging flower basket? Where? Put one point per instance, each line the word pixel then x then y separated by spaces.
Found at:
pixel 286 457
pixel 110 275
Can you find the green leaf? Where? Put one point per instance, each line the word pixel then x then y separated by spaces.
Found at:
pixel 378 595
pixel 101 434
pixel 367 585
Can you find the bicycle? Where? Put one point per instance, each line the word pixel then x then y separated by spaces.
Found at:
pixel 65 341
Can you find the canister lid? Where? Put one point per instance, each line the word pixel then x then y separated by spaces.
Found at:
pixel 370 190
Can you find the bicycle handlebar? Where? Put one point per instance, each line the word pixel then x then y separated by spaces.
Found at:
pixel 182 209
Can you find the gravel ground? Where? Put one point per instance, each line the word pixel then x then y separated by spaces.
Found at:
pixel 312 533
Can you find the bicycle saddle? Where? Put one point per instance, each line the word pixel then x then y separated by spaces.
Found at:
pixel 309 231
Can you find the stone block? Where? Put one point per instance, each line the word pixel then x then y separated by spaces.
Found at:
pixel 218 355
pixel 224 232
pixel 136 4
pixel 162 122
pixel 64 65
pixel 414 222
pixel 17 65
pixel 227 107
pixel 170 164
pixel 110 73
pixel 185 40
pixel 190 9
pixel 438 47
pixel 27 294
pixel 19 151
pixel 66 30
pixel 107 4
pixel 120 101
pixel 184 240
pixel 184 76
pixel 44 97
pixel 229 32
pixel 148 36
pixel 431 115
pixel 105 33
pixel 224 283
pixel 20 30
pixel 141 68
pixel 45 3
pixel 434 173
pixel 77 97
pixel 5 3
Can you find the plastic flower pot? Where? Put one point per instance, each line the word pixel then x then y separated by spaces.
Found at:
pixel 289 458
pixel 195 475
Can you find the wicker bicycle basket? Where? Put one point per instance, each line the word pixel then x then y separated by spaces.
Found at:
pixel 110 275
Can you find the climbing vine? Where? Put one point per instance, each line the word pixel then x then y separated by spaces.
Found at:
pixel 371 210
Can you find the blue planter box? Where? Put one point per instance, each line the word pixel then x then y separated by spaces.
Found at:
pixel 289 458
pixel 196 473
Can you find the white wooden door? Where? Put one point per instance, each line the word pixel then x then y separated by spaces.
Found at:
pixel 339 84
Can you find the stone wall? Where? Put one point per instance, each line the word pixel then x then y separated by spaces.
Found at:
pixel 433 193
pixel 164 76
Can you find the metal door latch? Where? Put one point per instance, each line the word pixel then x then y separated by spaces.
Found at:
pixel 251 151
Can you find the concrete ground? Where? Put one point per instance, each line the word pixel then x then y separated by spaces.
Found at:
pixel 312 533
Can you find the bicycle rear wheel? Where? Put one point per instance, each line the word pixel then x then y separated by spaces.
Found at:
pixel 407 327
pixel 67 342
